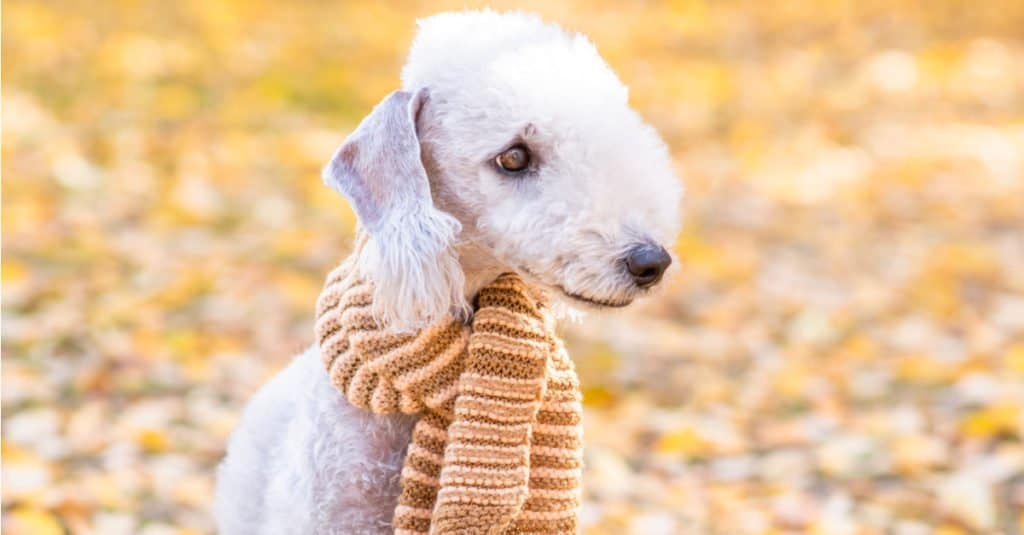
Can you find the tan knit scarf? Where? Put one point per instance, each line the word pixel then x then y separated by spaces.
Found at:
pixel 498 446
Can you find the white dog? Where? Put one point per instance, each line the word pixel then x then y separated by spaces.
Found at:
pixel 511 147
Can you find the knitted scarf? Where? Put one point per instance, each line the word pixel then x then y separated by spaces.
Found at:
pixel 497 448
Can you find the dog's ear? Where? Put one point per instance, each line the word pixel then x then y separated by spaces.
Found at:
pixel 409 256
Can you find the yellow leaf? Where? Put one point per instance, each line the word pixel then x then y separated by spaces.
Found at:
pixel 299 291
pixel 183 343
pixel 107 491
pixel 598 396
pixel 792 380
pixel 923 369
pixel 603 360
pixel 152 440
pixel 993 421
pixel 196 368
pixel 1015 358
pixel 32 521
pixel 860 348
pixel 685 441
pixel 12 271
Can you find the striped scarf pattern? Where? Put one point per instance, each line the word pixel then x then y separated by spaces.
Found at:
pixel 498 446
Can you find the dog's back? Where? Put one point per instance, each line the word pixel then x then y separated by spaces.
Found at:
pixel 303 460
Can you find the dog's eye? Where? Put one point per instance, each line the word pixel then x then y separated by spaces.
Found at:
pixel 514 159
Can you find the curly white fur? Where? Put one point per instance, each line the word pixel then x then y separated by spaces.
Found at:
pixel 417 274
pixel 411 256
pixel 604 181
pixel 443 221
pixel 305 461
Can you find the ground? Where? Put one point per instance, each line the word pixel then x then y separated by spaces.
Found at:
pixel 839 351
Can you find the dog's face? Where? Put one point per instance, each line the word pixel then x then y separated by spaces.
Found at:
pixel 547 167
pixel 524 150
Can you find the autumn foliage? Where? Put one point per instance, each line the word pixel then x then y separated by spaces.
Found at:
pixel 840 351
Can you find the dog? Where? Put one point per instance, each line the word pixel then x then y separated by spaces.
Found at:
pixel 511 147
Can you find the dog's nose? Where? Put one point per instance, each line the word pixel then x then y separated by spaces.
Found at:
pixel 647 263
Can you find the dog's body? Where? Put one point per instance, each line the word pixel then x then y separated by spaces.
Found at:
pixel 511 149
pixel 304 460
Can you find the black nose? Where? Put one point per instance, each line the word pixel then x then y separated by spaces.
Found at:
pixel 647 263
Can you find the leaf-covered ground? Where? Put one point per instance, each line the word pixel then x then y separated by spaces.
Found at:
pixel 841 350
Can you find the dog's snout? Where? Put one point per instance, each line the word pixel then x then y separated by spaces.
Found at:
pixel 647 263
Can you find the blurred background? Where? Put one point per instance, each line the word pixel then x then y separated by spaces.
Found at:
pixel 841 351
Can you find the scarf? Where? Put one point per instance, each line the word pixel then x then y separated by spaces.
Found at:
pixel 497 448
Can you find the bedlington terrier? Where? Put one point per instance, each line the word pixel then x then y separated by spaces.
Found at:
pixel 511 147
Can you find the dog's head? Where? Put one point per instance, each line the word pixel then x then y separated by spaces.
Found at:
pixel 511 148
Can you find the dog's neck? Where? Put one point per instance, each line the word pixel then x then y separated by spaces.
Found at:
pixel 479 266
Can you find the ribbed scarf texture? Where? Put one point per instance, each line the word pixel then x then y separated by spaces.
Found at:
pixel 498 446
